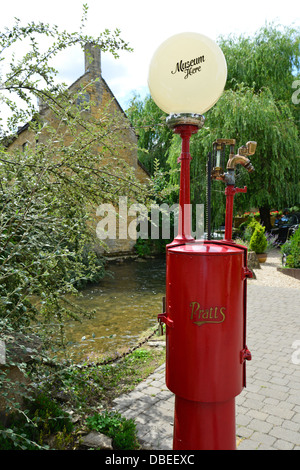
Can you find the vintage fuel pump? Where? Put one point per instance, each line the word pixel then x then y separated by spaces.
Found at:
pixel 229 177
pixel 205 305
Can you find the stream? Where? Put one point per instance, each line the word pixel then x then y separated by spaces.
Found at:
pixel 126 303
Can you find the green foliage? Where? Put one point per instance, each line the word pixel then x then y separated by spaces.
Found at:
pixel 84 388
pixel 258 241
pixel 48 416
pixel 120 429
pixel 268 59
pixel 293 255
pixel 126 437
pixel 246 115
pixel 43 418
pixel 107 423
pixel 47 229
pixel 250 228
pixel 154 136
pixel 142 247
pixel 49 191
pixel 17 438
pixel 139 356
pixel 285 249
pixel 44 243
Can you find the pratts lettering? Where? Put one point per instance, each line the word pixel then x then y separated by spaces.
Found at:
pixel 199 315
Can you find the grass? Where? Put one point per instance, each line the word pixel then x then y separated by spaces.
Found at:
pixel 104 383
pixel 93 385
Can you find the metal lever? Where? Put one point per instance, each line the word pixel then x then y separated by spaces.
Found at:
pixel 245 355
pixel 160 323
pixel 162 317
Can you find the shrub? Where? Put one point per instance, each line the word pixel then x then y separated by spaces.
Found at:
pixel 44 417
pixel 17 438
pixel 142 247
pixel 285 249
pixel 48 415
pixel 258 241
pixel 120 429
pixel 293 258
pixel 248 228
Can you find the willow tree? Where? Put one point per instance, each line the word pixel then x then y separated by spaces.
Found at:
pixel 246 115
pixel 257 105
pixel 268 59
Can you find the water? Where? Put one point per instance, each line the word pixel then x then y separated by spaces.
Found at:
pixel 126 304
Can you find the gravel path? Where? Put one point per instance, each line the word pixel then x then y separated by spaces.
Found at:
pixel 269 276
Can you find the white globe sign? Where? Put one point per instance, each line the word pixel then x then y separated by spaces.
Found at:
pixel 187 74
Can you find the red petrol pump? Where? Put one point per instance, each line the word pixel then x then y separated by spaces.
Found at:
pixel 205 306
pixel 205 321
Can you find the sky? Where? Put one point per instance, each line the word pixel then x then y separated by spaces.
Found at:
pixel 145 25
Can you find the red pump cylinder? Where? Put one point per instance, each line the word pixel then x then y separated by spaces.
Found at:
pixel 205 340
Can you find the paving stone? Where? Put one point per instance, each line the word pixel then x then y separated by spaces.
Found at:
pixel 263 438
pixel 286 435
pixel 258 425
pixel 283 445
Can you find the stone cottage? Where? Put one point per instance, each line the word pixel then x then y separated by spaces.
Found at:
pixel 97 92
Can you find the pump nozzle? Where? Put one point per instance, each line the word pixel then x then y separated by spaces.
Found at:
pixel 241 157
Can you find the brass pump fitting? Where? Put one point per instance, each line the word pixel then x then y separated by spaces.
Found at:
pixel 241 157
pixel 233 161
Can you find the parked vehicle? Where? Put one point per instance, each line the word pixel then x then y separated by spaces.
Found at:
pixel 286 227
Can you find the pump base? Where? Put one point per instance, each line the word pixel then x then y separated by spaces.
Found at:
pixel 204 426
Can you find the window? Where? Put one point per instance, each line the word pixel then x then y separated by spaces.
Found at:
pixel 82 101
pixel 24 146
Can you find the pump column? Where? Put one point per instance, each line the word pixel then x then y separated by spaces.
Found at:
pixel 207 426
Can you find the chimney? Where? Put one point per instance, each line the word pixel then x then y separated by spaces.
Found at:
pixel 92 60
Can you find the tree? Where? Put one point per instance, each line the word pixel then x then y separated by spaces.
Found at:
pixel 246 115
pixel 268 63
pixel 154 136
pixel 268 59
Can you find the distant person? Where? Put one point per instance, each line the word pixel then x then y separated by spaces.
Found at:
pixel 285 217
pixel 277 220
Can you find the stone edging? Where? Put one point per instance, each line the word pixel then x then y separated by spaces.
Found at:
pixel 294 272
